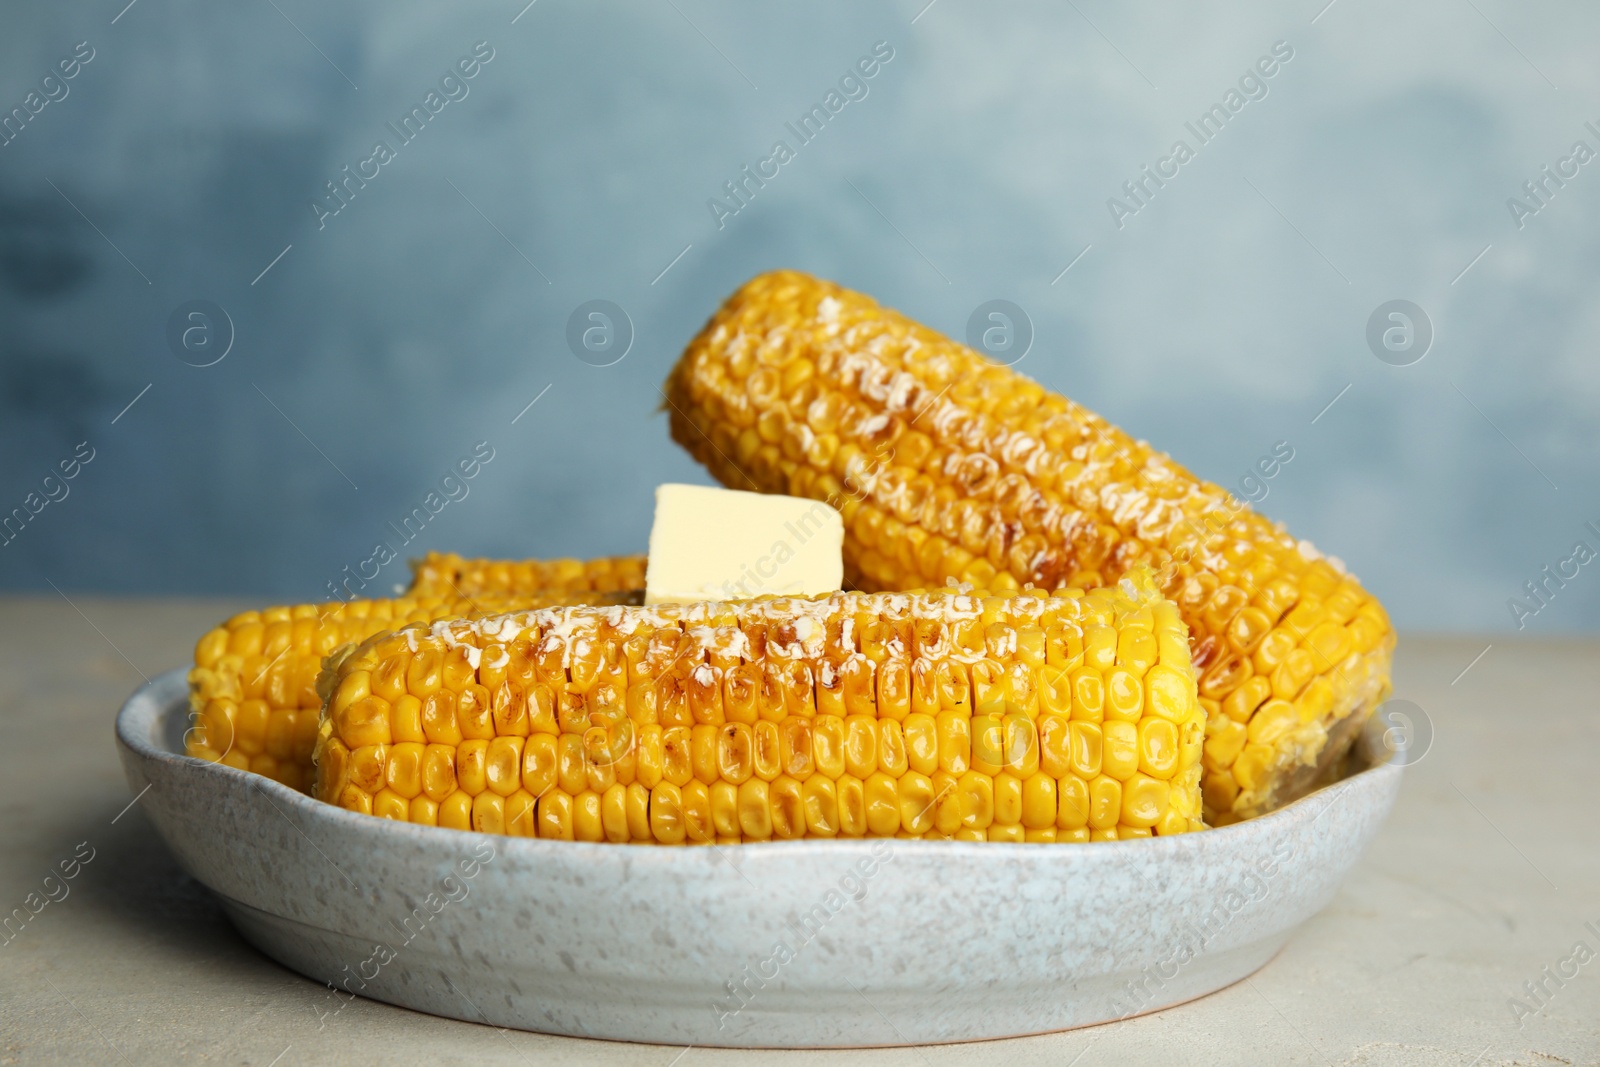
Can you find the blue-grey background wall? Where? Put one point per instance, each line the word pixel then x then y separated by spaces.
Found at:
pixel 373 348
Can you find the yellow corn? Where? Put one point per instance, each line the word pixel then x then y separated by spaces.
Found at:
pixel 947 467
pixel 447 574
pixel 1064 717
pixel 252 691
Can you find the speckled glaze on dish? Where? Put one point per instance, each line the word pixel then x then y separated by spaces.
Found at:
pixel 798 944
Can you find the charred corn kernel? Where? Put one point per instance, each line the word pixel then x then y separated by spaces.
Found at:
pixel 265 664
pixel 677 757
pixel 798 769
pixel 735 754
pixel 949 467
pixel 766 750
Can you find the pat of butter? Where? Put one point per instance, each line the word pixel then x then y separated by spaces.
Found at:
pixel 721 544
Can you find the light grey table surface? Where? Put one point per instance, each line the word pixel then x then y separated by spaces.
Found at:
pixel 1486 875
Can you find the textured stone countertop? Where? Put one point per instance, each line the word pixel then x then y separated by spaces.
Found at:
pixel 1486 875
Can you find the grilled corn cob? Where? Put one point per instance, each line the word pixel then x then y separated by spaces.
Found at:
pixel 447 574
pixel 949 467
pixel 1067 717
pixel 252 691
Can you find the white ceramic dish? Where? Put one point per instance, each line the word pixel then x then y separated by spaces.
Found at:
pixel 795 944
